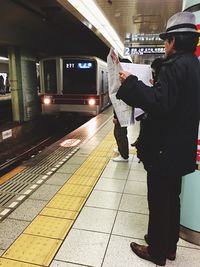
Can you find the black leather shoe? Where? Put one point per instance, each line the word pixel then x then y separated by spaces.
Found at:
pixel 170 256
pixel 146 239
pixel 142 252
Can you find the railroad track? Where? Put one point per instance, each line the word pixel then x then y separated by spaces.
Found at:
pixel 11 163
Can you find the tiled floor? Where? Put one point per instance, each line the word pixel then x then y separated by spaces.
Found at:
pixel 115 214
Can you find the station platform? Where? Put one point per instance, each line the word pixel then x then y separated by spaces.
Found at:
pixel 83 209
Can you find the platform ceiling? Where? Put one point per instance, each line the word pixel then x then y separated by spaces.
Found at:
pixel 51 26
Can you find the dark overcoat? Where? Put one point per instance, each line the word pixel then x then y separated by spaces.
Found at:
pixel 168 140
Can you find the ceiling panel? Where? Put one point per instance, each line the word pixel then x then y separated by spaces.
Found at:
pixel 139 16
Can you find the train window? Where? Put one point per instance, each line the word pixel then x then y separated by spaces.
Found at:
pixel 79 76
pixel 50 80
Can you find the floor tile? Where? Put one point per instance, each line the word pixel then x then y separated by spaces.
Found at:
pixel 28 210
pixel 75 160
pixel 119 254
pixel 137 166
pixel 83 247
pixel 135 175
pixel 134 203
pixel 115 173
pixel 185 257
pixel 137 188
pixel 65 264
pixel 103 199
pixel 131 225
pixel 45 192
pixel 68 168
pixel 184 243
pixel 58 178
pixel 102 221
pixel 122 166
pixel 10 230
pixel 107 184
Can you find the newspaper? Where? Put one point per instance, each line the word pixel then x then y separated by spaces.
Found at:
pixel 125 113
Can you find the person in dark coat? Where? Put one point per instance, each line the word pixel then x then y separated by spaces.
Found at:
pixel 155 66
pixel 168 143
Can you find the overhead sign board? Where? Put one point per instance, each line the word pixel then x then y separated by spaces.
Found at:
pixel 143 50
pixel 142 38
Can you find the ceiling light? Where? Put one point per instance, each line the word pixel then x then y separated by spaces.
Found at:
pixel 94 15
pixel 3 58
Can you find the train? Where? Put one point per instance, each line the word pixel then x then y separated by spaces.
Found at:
pixel 73 84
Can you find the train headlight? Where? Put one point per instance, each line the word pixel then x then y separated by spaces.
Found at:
pixel 47 100
pixel 91 102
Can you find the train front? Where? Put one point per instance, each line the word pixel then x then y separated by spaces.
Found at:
pixel 70 85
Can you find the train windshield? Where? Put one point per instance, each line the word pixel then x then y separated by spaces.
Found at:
pixel 79 76
pixel 50 80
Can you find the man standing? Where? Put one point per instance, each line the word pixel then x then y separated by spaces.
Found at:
pixel 168 143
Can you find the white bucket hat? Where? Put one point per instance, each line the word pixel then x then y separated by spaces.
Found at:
pixel 181 22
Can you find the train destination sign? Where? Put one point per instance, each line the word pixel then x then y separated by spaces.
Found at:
pixel 143 50
pixel 79 65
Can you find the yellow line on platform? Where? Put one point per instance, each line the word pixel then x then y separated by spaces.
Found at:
pixel 11 174
pixel 40 241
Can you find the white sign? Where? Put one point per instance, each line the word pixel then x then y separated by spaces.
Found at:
pixel 70 142
pixel 7 134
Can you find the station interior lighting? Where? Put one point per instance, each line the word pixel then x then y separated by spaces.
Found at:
pixel 47 100
pixel 3 58
pixel 91 12
pixel 91 102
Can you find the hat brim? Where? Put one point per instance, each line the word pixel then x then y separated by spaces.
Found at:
pixel 164 35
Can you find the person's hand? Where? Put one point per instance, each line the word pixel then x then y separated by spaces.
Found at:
pixel 151 81
pixel 114 120
pixel 123 75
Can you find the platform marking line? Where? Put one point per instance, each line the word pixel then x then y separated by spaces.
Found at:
pixel 44 177
pixel 21 197
pixel 40 181
pixel 27 192
pixel 34 186
pixel 58 165
pixel 39 242
pixel 4 212
pixel 13 204
pixel 11 174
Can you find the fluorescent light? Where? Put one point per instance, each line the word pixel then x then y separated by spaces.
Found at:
pixel 91 12
pixel 4 58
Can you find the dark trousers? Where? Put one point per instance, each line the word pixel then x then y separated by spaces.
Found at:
pixel 121 138
pixel 164 213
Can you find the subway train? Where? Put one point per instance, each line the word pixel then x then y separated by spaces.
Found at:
pixel 74 84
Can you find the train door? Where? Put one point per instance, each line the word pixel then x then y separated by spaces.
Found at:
pixel 103 88
pixel 49 76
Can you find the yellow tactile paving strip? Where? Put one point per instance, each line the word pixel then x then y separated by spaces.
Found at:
pixel 40 241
